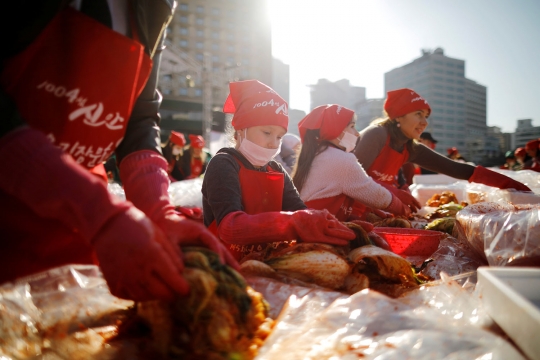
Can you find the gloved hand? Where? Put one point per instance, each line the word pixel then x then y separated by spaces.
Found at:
pixel 406 198
pixel 145 180
pixel 137 260
pixel 491 178
pixel 367 226
pixel 70 194
pixel 319 226
pixel 305 225
pixel 396 207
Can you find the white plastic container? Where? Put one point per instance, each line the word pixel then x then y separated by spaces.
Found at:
pixel 511 297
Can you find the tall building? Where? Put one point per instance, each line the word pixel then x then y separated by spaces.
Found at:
pixel 367 111
pixel 340 92
pixel 280 78
pixel 232 37
pixel 525 131
pixel 458 104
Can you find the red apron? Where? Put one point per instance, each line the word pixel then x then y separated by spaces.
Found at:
pixel 387 164
pixel 261 192
pixel 196 167
pixel 343 207
pixel 77 82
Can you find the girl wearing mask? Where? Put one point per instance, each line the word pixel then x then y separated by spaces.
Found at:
pixel 388 143
pixel 249 200
pixel 328 176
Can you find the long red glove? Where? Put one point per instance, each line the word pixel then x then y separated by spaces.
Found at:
pixel 55 187
pixel 406 198
pixel 306 225
pixel 491 178
pixel 145 180
pixel 397 207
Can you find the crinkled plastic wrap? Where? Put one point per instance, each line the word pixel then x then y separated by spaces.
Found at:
pixel 453 257
pixel 63 313
pixel 503 233
pixel 185 193
pixel 277 293
pixel 436 322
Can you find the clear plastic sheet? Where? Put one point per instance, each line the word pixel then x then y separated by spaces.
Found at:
pixel 63 313
pixel 186 193
pixel 453 257
pixel 503 233
pixel 277 293
pixel 445 321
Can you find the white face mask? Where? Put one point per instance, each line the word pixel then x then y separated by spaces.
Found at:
pixel 257 155
pixel 348 141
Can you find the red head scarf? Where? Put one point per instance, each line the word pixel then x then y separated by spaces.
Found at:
pixel 196 141
pixel 177 138
pixel 451 150
pixel 331 120
pixel 403 101
pixel 532 145
pixel 255 104
pixel 520 152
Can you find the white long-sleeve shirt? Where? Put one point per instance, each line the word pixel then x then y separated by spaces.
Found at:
pixel 335 172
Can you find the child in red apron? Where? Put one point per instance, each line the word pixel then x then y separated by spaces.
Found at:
pixel 328 176
pixel 388 143
pixel 249 200
pixel 67 95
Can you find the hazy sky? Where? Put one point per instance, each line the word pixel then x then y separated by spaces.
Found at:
pixel 360 40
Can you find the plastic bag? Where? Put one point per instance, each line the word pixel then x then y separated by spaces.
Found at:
pixel 436 322
pixel 453 257
pixel 277 293
pixel 63 313
pixel 503 233
pixel 186 193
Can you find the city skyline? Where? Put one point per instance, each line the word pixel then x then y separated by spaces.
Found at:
pixel 348 39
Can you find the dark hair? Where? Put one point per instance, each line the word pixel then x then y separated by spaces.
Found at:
pixel 394 131
pixel 311 147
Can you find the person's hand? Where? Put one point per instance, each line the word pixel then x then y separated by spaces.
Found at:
pixel 397 207
pixel 185 232
pixel 491 178
pixel 146 182
pixel 367 226
pixel 137 260
pixel 320 226
pixel 405 196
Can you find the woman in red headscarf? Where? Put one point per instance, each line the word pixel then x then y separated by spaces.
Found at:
pixel 328 176
pixel 173 152
pixel 531 148
pixel 249 200
pixel 390 142
pixel 196 158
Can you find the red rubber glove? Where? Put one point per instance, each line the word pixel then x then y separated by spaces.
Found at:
pixel 406 198
pixel 145 180
pixel 367 226
pixel 306 225
pixel 397 207
pixel 135 259
pixel 55 187
pixel 491 178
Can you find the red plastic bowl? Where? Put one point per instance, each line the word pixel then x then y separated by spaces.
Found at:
pixel 410 242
